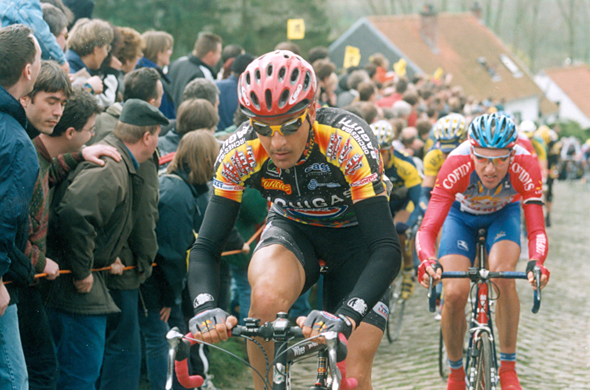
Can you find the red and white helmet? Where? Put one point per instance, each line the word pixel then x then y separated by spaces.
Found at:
pixel 277 84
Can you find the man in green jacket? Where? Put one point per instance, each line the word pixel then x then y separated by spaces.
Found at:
pixel 92 218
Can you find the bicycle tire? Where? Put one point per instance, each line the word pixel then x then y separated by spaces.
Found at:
pixel 396 311
pixel 483 377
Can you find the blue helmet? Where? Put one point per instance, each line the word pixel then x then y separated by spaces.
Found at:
pixel 493 131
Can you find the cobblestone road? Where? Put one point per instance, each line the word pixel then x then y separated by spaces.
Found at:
pixel 553 345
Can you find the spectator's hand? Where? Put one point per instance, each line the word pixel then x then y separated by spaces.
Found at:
pixel 212 326
pixel 117 267
pixel 4 298
pixel 51 269
pixel 246 248
pixel 85 285
pixel 115 63
pixel 66 67
pixel 165 313
pixel 94 152
pixel 96 84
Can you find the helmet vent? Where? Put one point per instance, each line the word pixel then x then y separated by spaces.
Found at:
pixel 255 100
pixel 248 80
pixel 269 70
pixel 282 73
pixel 307 81
pixel 268 98
pixel 284 98
pixel 257 76
pixel 294 75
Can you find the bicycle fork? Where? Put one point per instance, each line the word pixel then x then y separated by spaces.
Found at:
pixel 481 324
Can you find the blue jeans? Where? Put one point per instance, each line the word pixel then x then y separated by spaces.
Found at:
pixel 37 340
pixel 122 354
pixel 13 370
pixel 153 331
pixel 79 342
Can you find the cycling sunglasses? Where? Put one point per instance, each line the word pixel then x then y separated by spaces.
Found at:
pixel 496 161
pixel 286 128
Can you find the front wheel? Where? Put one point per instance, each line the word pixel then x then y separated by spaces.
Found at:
pixel 483 363
pixel 396 311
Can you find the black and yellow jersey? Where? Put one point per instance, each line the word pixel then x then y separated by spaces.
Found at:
pixel 340 164
pixel 402 171
pixel 540 147
pixel 433 161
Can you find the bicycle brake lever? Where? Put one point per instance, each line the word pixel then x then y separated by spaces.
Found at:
pixel 537 292
pixel 332 343
pixel 174 338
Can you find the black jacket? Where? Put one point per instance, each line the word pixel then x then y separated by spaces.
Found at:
pixel 183 71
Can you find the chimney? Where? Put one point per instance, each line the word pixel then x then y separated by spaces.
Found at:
pixel 476 10
pixel 428 27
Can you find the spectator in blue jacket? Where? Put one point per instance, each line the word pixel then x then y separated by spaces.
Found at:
pixel 228 91
pixel 19 169
pixel 29 13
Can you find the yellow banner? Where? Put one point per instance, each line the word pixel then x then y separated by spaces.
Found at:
pixel 438 74
pixel 295 29
pixel 352 56
pixel 400 67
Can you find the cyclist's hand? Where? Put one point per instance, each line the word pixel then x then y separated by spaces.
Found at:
pixel 212 326
pixel 544 273
pixel 321 321
pixel 429 267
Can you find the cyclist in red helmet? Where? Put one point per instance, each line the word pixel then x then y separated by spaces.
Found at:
pixel 322 173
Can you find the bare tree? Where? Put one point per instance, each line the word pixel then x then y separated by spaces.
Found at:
pixel 534 38
pixel 519 16
pixel 499 9
pixel 568 12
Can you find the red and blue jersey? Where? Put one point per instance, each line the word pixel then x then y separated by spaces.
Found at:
pixel 458 182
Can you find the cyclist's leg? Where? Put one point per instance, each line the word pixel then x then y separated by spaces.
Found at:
pixel 362 347
pixel 503 242
pixel 504 254
pixel 282 267
pixel 456 253
pixel 346 263
pixel 277 278
pixel 453 323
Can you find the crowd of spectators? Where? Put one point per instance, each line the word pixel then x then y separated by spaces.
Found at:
pixel 139 193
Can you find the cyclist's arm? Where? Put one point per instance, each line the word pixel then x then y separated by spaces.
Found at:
pixel 205 255
pixel 376 224
pixel 535 222
pixel 529 186
pixel 427 185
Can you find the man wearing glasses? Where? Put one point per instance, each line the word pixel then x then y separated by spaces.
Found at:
pixel 480 185
pixel 321 170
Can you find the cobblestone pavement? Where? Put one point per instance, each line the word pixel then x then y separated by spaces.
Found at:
pixel 553 346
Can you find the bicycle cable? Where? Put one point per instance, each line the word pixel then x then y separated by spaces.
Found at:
pixel 266 365
pixel 235 356
pixel 294 346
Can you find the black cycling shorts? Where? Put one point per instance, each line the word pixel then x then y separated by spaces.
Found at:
pixel 341 249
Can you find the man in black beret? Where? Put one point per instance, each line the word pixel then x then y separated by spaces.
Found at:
pixel 91 223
